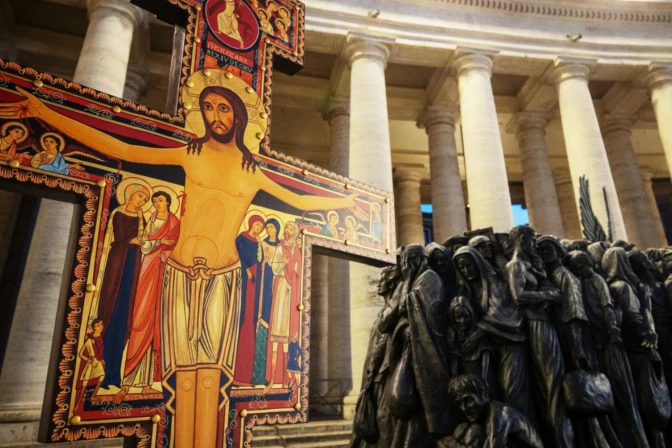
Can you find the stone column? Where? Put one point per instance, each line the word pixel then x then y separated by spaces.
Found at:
pixel 540 195
pixel 7 39
pixel 319 327
pixel 661 238
pixel 24 372
pixel 370 162
pixel 135 86
pixel 659 82
pixel 637 213
pixel 104 58
pixel 338 364
pixel 489 201
pixel 407 201
pixel 570 218
pixel 585 149
pixel 448 209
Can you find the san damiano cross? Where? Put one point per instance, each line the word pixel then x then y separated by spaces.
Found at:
pixel 187 318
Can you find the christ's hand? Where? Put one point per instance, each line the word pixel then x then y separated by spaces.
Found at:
pixel 30 107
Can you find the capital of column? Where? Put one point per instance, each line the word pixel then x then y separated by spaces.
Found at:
pixel 117 7
pixel 336 107
pixel 647 175
pixel 366 47
pixel 658 75
pixel 562 176
pixel 408 174
pixel 617 122
pixel 472 61
pixel 565 70
pixel 528 121
pixel 434 115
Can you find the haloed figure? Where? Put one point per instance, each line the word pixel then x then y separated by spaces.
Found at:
pixel 13 134
pixel 119 284
pixel 143 366
pixel 51 158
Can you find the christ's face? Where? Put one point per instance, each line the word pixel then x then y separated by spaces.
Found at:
pixel 219 115
pixel 51 145
pixel 160 204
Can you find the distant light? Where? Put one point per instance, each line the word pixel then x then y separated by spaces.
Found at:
pixel 374 13
pixel 426 208
pixel 574 37
pixel 520 215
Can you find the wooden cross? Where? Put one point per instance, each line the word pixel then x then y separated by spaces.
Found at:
pixel 187 319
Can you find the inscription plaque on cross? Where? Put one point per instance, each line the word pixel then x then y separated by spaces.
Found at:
pixel 186 317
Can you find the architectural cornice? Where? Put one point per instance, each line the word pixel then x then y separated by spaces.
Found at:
pixel 426 32
pixel 608 12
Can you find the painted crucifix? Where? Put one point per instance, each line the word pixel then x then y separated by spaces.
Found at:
pixel 194 325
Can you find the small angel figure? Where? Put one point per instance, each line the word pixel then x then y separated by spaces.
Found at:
pixel 351 230
pixel 330 228
pixel 51 158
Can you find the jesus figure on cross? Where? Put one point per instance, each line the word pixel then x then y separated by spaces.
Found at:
pixel 201 292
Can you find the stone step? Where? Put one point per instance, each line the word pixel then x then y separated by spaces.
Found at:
pixel 333 437
pixel 333 444
pixel 339 444
pixel 317 434
pixel 314 426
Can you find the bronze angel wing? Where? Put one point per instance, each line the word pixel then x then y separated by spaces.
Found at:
pixel 592 229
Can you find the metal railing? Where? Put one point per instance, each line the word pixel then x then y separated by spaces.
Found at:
pixel 326 397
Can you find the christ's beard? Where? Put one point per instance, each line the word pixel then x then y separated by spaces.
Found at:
pixel 221 138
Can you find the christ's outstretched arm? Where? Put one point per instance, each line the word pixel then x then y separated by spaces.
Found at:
pixel 95 139
pixel 304 202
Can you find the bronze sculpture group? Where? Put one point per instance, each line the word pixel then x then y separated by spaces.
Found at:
pixel 520 340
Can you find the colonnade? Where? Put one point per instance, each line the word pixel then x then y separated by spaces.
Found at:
pixel 621 196
pixel 601 151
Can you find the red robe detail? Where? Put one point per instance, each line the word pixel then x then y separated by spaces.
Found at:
pixel 146 324
pixel 293 271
